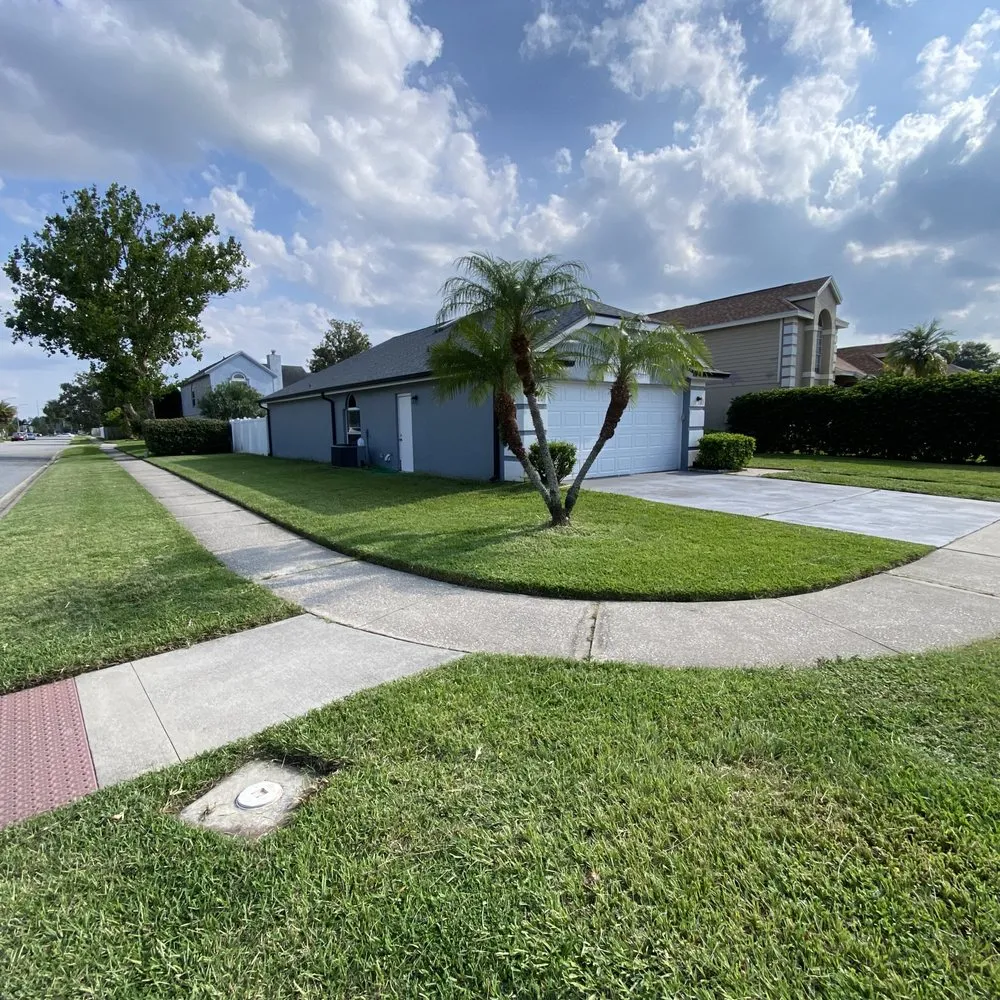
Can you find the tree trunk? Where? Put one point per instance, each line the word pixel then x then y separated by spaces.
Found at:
pixel 612 418
pixel 510 434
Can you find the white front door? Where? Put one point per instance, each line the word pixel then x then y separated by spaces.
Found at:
pixel 404 423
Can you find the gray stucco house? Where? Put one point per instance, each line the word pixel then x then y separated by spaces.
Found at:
pixel 265 377
pixel 783 336
pixel 385 398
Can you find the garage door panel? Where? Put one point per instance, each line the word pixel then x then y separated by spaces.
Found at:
pixel 648 439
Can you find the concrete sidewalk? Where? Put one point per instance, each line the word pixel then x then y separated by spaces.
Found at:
pixel 949 597
pixel 368 625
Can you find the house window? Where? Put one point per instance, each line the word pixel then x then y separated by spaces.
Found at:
pixel 819 350
pixel 194 398
pixel 239 377
pixel 352 419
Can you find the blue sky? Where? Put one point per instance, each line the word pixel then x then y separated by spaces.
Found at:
pixel 684 149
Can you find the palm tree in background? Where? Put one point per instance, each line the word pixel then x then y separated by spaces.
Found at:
pixel 509 309
pixel 922 350
pixel 619 354
pixel 7 413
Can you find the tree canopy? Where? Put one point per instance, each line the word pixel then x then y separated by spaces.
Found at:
pixel 123 285
pixel 79 404
pixel 342 339
pixel 231 400
pixel 977 356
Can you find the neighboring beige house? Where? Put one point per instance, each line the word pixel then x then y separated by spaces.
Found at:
pixel 867 361
pixel 783 336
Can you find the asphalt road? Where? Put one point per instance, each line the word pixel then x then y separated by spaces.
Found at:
pixel 19 459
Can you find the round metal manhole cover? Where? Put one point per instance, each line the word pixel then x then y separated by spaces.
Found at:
pixel 261 793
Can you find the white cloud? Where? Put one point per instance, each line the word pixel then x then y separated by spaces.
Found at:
pixel 562 161
pixel 822 29
pixel 902 251
pixel 947 71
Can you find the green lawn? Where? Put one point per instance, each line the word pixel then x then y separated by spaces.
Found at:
pixel 97 572
pixel 975 482
pixel 522 828
pixel 497 536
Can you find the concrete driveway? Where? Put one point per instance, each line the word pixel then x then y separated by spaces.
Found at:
pixel 908 517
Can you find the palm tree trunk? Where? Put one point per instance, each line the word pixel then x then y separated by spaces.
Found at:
pixel 612 418
pixel 506 411
pixel 522 365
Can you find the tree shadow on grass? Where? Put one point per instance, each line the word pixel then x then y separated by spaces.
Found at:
pixel 324 489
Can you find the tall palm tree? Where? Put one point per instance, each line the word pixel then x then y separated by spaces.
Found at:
pixel 619 354
pixel 510 308
pixel 7 413
pixel 921 350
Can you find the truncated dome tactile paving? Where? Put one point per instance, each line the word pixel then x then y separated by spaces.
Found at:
pixel 44 755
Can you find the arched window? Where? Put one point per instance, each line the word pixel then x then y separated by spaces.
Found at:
pixel 352 419
pixel 239 377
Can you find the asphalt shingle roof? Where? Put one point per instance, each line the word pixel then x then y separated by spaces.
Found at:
pixel 405 356
pixel 733 308
pixel 292 373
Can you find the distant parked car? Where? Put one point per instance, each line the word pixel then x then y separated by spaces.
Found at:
pixel 19 436
pixel 31 435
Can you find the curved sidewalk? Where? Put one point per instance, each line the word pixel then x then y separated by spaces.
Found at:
pixel 949 597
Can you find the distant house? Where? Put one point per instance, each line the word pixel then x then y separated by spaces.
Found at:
pixel 783 336
pixel 866 361
pixel 265 377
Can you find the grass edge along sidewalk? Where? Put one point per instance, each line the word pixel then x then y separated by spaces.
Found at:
pixel 98 572
pixel 494 537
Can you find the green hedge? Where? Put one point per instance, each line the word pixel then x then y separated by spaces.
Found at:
pixel 719 450
pixel 186 436
pixel 950 418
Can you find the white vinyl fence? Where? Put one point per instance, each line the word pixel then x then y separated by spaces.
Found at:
pixel 250 435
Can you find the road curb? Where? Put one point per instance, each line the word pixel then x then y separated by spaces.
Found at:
pixel 10 498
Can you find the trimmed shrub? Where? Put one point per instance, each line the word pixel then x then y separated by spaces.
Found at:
pixel 231 400
pixel 720 450
pixel 948 418
pixel 563 457
pixel 187 436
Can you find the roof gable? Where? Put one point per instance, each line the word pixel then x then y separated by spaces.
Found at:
pixel 202 372
pixel 741 308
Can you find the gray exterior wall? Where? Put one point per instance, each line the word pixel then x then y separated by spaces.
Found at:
pixel 750 353
pixel 192 392
pixel 450 437
pixel 301 429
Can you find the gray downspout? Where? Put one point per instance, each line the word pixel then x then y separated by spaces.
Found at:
pixel 270 450
pixel 333 418
pixel 686 426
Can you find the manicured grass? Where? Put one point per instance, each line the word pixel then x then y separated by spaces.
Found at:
pixel 97 572
pixel 497 536
pixel 137 449
pixel 507 827
pixel 974 482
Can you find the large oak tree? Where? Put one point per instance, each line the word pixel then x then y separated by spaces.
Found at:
pixel 123 285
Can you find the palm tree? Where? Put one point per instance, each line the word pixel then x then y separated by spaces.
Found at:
pixel 510 308
pixel 619 354
pixel 7 413
pixel 922 350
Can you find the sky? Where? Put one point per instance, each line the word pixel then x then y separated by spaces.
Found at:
pixel 683 149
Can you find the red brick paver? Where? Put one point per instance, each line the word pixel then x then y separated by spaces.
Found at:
pixel 44 755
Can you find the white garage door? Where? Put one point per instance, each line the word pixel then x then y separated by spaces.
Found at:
pixel 648 439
